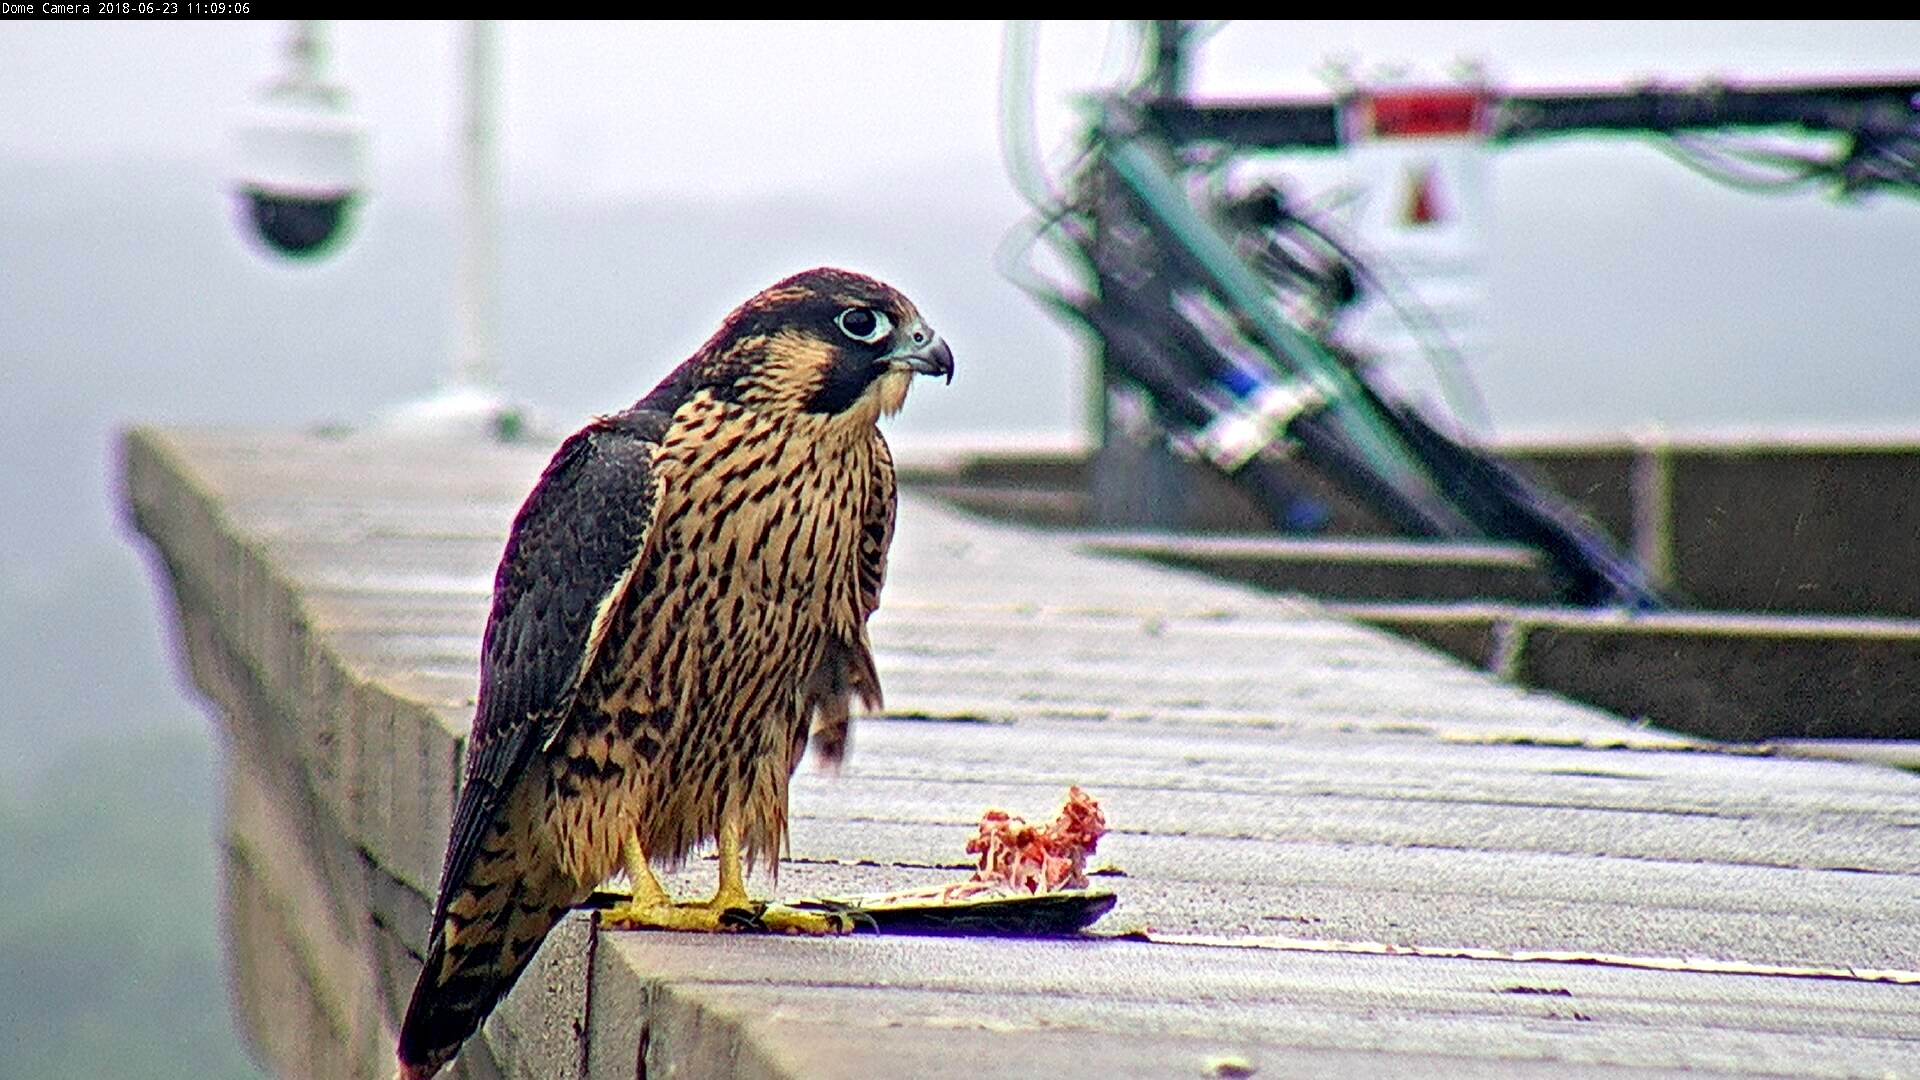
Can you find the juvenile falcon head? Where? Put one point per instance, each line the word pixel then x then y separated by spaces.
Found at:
pixel 829 343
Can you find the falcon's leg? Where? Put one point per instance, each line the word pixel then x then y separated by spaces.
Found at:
pixel 732 893
pixel 652 909
pixel 730 909
pixel 732 896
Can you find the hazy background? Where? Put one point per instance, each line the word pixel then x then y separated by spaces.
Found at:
pixel 654 176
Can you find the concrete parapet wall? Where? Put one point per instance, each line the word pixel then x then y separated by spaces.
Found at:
pixel 1749 523
pixel 1789 524
pixel 1355 568
pixel 337 788
pixel 1720 676
pixel 1792 558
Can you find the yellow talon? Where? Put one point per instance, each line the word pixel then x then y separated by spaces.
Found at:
pixel 786 920
pixel 652 909
pixel 729 909
pixel 633 916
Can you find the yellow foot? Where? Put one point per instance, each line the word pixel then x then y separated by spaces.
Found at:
pixel 712 918
pixel 698 918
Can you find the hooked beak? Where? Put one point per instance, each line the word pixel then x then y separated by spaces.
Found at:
pixel 924 352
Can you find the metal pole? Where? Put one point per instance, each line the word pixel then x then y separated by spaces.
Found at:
pixel 308 50
pixel 476 298
pixel 1167 39
pixel 470 402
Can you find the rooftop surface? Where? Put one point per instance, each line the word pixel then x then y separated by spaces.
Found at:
pixel 1336 853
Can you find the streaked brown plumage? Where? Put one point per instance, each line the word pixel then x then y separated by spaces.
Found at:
pixel 684 592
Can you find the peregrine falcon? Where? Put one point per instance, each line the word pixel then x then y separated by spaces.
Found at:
pixel 683 597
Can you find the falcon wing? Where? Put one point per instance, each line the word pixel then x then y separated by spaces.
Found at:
pixel 574 549
pixel 877 536
pixel 846 668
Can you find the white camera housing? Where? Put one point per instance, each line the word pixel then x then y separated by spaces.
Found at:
pixel 302 160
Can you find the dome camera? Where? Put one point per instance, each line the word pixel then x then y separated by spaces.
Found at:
pixel 302 168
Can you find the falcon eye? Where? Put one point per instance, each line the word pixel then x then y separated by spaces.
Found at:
pixel 863 325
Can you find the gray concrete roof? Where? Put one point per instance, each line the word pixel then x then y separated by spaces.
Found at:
pixel 1337 853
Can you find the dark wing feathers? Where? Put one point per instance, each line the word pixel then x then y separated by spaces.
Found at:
pixel 572 544
pixel 876 535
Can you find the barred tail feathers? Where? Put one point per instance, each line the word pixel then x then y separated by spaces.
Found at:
pixel 492 932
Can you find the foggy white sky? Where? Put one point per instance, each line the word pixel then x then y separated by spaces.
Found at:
pixel 1622 290
pixel 756 109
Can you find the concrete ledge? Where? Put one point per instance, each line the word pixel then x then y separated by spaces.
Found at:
pixel 1332 849
pixel 1160 1007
